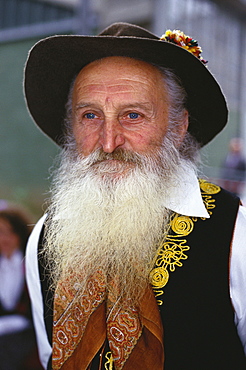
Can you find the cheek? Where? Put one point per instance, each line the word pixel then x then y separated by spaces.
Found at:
pixel 147 139
pixel 156 134
pixel 86 139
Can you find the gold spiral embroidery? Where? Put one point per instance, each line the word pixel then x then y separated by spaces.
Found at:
pixel 182 225
pixel 171 251
pixel 209 188
pixel 159 277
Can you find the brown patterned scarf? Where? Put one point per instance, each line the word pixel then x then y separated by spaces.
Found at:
pixel 81 326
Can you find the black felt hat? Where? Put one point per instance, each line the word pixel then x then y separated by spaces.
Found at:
pixel 53 63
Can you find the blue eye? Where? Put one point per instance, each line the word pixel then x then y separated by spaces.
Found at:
pixel 90 115
pixel 133 115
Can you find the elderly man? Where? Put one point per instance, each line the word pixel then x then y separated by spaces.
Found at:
pixel 133 252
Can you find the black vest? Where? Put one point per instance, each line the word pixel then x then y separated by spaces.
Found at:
pixel 197 313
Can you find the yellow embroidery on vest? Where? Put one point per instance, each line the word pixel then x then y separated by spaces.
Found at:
pixel 207 190
pixel 109 364
pixel 171 251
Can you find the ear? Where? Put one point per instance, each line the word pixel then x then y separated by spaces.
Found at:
pixel 182 128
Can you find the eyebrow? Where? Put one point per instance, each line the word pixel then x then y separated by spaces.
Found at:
pixel 146 106
pixel 83 105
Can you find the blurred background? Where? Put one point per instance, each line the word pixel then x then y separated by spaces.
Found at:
pixel 218 25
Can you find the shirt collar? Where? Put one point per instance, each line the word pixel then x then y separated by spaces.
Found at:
pixel 185 196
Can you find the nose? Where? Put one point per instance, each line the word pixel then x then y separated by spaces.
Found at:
pixel 112 136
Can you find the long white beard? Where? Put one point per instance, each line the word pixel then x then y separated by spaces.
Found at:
pixel 109 216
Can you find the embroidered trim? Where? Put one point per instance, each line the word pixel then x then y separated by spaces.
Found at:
pixel 71 317
pixel 123 331
pixel 207 190
pixel 171 251
pixel 109 363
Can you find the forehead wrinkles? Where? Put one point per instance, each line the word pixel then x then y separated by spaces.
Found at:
pixel 110 89
pixel 106 79
pixel 121 86
pixel 115 83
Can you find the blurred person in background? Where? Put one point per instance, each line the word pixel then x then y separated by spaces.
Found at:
pixel 233 167
pixel 17 338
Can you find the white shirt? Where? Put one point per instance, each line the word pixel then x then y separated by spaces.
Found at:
pixel 12 284
pixel 12 279
pixel 185 198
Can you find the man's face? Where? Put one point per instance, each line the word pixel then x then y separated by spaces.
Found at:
pixel 119 103
pixel 111 196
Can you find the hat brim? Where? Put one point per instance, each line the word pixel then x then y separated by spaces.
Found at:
pixel 53 63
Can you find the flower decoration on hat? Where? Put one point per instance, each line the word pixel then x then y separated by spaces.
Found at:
pixel 186 42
